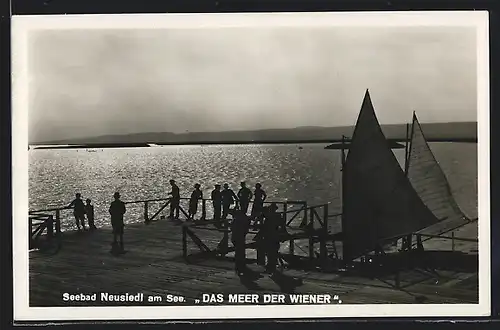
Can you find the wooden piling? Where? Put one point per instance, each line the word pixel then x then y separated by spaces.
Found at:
pixel 146 213
pixel 50 227
pixel 58 223
pixel 323 247
pixel 203 209
pixel 311 239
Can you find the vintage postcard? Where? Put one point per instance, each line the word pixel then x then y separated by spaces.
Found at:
pixel 237 166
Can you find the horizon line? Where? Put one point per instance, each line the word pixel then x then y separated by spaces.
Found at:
pixel 187 132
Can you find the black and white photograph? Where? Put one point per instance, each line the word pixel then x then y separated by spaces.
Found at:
pixel 212 166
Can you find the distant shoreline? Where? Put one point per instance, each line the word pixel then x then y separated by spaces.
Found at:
pixel 329 144
pixel 435 132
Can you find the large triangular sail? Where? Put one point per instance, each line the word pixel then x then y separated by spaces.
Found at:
pixel 378 200
pixel 429 181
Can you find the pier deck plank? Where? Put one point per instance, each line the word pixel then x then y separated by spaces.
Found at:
pixel 153 264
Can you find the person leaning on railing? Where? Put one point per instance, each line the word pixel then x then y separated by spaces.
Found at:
pixel 228 199
pixel 78 211
pixel 174 200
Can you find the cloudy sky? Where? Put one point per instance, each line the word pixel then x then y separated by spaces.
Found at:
pixel 97 82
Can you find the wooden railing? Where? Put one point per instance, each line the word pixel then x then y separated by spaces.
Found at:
pixel 44 229
pixel 46 223
pixel 293 210
pixel 313 228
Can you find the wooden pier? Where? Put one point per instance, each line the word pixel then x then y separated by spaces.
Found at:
pixel 163 258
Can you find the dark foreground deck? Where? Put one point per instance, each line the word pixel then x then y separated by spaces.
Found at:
pixel 154 264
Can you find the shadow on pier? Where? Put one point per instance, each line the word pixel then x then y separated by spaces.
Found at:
pixel 163 258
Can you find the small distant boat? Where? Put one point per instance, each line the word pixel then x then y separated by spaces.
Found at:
pixel 300 148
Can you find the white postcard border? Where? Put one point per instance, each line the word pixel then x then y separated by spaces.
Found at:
pixel 22 25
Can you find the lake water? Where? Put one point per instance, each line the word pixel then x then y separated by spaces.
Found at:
pixel 285 171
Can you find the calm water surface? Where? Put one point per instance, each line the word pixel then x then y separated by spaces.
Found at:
pixel 285 171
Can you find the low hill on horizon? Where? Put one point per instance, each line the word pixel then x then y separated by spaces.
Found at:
pixel 457 130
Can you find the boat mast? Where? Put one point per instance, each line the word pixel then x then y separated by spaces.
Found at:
pixel 407 147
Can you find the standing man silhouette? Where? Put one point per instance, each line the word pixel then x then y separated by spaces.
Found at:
pixel 259 198
pixel 196 196
pixel 216 197
pixel 174 200
pixel 228 199
pixel 117 210
pixel 272 227
pixel 239 230
pixel 89 210
pixel 78 211
pixel 245 196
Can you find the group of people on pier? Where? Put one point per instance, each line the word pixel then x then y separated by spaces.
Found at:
pixel 222 200
pixel 271 227
pixel 226 202
pixel 117 211
pixel 81 211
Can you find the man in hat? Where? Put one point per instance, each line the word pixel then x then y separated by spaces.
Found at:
pixel 271 228
pixel 78 211
pixel 117 210
pixel 216 197
pixel 196 196
pixel 175 200
pixel 239 230
pixel 245 196
pixel 228 199
pixel 259 198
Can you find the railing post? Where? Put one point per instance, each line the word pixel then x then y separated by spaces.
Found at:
pixel 324 233
pixel 30 234
pixel 58 223
pixel 305 212
pixel 453 241
pixel 146 212
pixel 50 227
pixel 285 209
pixel 203 209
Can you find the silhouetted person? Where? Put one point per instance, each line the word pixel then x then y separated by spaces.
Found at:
pixel 239 230
pixel 175 200
pixel 259 198
pixel 228 199
pixel 117 210
pixel 196 195
pixel 245 196
pixel 89 210
pixel 216 197
pixel 271 228
pixel 78 211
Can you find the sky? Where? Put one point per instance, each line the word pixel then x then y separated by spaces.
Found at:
pixel 85 83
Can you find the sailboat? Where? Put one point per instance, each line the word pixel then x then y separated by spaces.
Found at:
pixel 429 181
pixel 383 202
pixel 380 203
